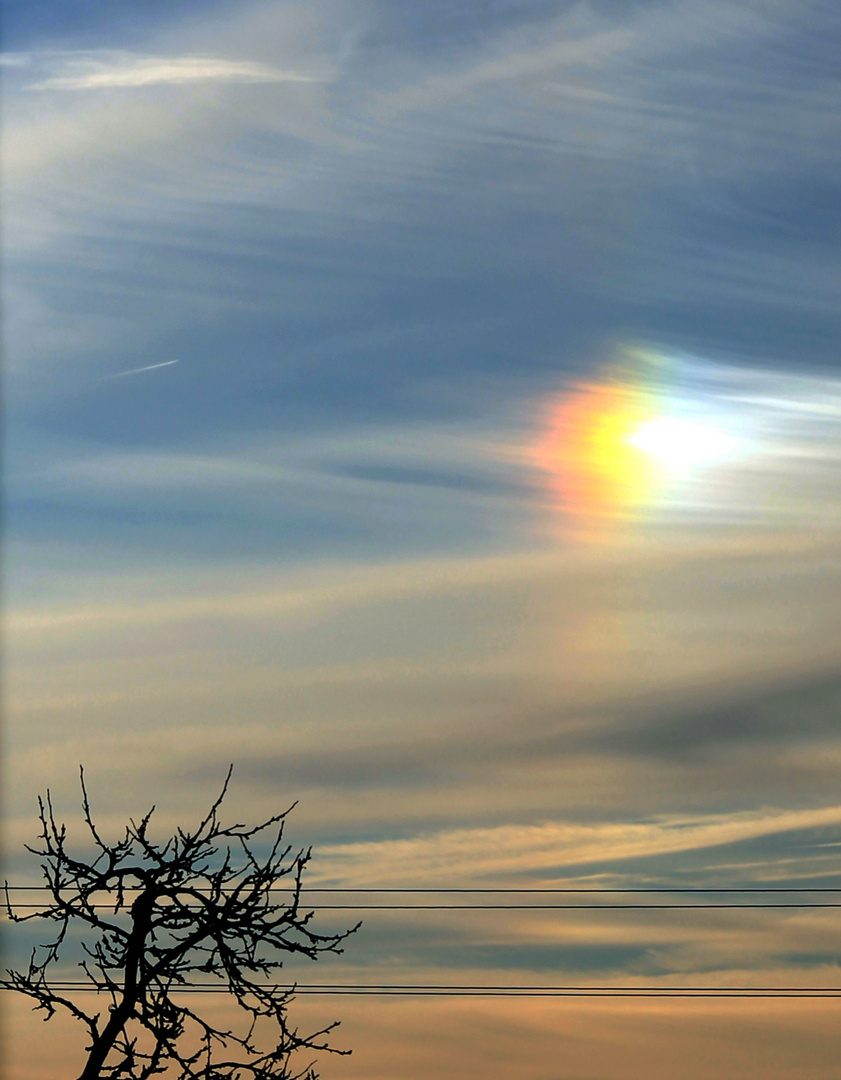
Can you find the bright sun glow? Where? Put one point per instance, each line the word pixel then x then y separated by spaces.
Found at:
pixel 625 445
pixel 678 445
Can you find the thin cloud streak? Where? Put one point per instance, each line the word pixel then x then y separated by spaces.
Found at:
pixel 123 70
pixel 137 371
pixel 552 851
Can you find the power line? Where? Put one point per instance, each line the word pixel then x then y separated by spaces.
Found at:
pixel 528 891
pixel 445 990
pixel 792 906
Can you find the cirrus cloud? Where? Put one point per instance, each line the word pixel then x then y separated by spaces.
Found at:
pixel 118 69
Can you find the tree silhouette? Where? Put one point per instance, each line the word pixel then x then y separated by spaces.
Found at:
pixel 202 907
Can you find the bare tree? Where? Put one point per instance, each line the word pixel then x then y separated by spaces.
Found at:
pixel 205 906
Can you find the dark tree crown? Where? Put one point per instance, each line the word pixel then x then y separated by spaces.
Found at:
pixel 202 907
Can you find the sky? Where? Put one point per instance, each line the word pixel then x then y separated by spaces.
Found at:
pixel 435 410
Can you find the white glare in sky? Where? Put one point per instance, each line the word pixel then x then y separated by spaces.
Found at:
pixel 679 445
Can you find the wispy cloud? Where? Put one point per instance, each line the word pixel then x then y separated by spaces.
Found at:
pixel 113 69
pixel 572 54
pixel 550 848
pixel 14 60
pixel 408 690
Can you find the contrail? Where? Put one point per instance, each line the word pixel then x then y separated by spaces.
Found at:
pixel 137 370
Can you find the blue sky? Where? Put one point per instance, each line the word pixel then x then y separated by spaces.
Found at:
pixel 457 212
pixel 293 294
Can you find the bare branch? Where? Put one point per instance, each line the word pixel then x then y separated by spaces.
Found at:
pixel 199 905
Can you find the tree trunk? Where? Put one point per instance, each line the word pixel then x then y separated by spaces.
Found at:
pixel 141 913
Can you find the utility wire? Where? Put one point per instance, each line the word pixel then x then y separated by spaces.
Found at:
pixel 528 891
pixel 794 905
pixel 444 990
